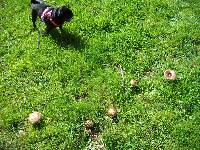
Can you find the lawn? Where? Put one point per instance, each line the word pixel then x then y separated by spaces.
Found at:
pixel 79 75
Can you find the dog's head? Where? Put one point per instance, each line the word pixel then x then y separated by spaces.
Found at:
pixel 64 13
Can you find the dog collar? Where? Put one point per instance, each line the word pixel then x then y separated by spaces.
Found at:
pixel 47 15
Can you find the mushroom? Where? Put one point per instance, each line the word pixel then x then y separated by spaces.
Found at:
pixel 112 112
pixel 133 83
pixel 88 124
pixel 170 74
pixel 35 117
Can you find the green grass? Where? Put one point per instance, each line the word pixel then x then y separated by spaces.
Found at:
pixel 77 76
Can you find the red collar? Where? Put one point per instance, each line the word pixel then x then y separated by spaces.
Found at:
pixel 47 15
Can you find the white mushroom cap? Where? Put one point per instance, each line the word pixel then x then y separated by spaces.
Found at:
pixel 34 117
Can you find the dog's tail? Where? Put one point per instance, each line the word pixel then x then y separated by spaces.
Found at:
pixel 36 1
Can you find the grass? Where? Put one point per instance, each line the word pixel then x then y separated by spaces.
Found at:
pixel 76 76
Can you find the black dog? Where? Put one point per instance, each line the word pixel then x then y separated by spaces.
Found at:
pixel 52 17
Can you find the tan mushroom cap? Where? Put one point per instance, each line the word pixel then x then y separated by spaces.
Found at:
pixel 133 83
pixel 170 74
pixel 112 112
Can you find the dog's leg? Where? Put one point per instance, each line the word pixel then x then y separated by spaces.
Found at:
pixel 48 29
pixel 34 18
pixel 61 28
pixel 62 31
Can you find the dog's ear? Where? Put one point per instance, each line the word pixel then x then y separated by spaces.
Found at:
pixel 61 10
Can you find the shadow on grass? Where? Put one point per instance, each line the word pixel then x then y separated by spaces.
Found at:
pixel 66 39
pixel 136 90
pixel 115 119
pixel 39 126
